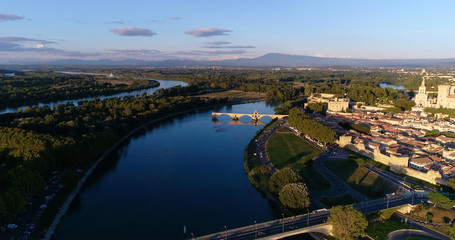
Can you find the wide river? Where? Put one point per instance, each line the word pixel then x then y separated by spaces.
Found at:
pixel 182 171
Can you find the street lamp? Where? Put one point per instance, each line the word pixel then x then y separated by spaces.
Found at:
pixel 388 197
pixel 308 220
pixel 255 231
pixel 283 221
pixel 225 232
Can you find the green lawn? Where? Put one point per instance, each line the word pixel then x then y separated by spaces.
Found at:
pixel 313 179
pixel 369 183
pixel 289 150
pixel 285 149
pixel 380 230
pixel 343 200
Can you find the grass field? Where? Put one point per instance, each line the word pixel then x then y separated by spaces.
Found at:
pixel 237 96
pixel 343 200
pixel 360 179
pixel 288 150
pixel 313 179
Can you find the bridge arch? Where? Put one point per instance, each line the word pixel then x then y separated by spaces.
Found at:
pixel 255 116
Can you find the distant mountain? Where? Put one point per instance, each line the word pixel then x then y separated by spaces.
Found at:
pixel 270 60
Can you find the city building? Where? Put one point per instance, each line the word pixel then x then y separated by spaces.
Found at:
pixel 445 99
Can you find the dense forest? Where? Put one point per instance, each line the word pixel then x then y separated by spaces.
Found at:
pixel 32 87
pixel 40 140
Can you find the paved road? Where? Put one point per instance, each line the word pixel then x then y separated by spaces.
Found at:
pixel 339 187
pixel 421 226
pixel 406 233
pixel 261 152
pixel 303 221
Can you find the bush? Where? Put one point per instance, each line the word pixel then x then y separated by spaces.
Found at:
pixel 282 178
pixel 295 196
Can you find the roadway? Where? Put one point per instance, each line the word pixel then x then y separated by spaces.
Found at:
pixel 338 186
pixel 261 151
pixel 420 226
pixel 314 219
pixel 406 233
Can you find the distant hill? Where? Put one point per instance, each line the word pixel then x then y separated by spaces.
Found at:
pixel 271 60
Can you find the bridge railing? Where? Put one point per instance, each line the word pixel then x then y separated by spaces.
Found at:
pixel 265 226
pixel 261 227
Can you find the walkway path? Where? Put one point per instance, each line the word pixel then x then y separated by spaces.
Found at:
pixel 406 233
pixel 261 151
pixel 414 223
pixel 339 187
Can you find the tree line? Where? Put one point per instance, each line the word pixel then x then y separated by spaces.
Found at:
pixel 311 127
pixel 35 87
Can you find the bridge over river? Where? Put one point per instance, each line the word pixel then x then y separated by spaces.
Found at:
pixel 311 222
pixel 255 116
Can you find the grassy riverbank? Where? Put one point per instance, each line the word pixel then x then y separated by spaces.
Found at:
pixel 285 149
pixel 258 174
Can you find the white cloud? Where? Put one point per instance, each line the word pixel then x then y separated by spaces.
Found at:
pixel 39 45
pixel 208 32
pixel 143 32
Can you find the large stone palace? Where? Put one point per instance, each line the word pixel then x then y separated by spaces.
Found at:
pixel 445 99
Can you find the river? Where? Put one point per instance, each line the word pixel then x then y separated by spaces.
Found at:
pixel 163 84
pixel 388 85
pixel 183 171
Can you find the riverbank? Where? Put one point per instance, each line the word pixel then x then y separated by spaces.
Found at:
pixel 74 193
pixel 252 165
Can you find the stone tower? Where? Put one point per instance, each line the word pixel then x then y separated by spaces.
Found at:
pixel 446 96
pixel 421 99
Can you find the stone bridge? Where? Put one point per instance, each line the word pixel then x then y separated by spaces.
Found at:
pixel 255 116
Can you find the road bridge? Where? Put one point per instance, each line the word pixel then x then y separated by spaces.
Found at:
pixel 255 116
pixel 311 222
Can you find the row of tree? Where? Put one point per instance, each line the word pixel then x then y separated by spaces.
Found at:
pixel 308 126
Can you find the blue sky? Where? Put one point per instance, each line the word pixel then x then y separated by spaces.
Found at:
pixel 214 29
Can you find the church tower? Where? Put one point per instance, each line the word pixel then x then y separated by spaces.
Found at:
pixel 423 88
pixel 421 99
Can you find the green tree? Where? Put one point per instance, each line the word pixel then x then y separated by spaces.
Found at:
pixel 295 196
pixel 440 200
pixel 347 222
pixel 315 107
pixel 452 232
pixel 360 161
pixel 387 213
pixel 451 183
pixel 282 178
